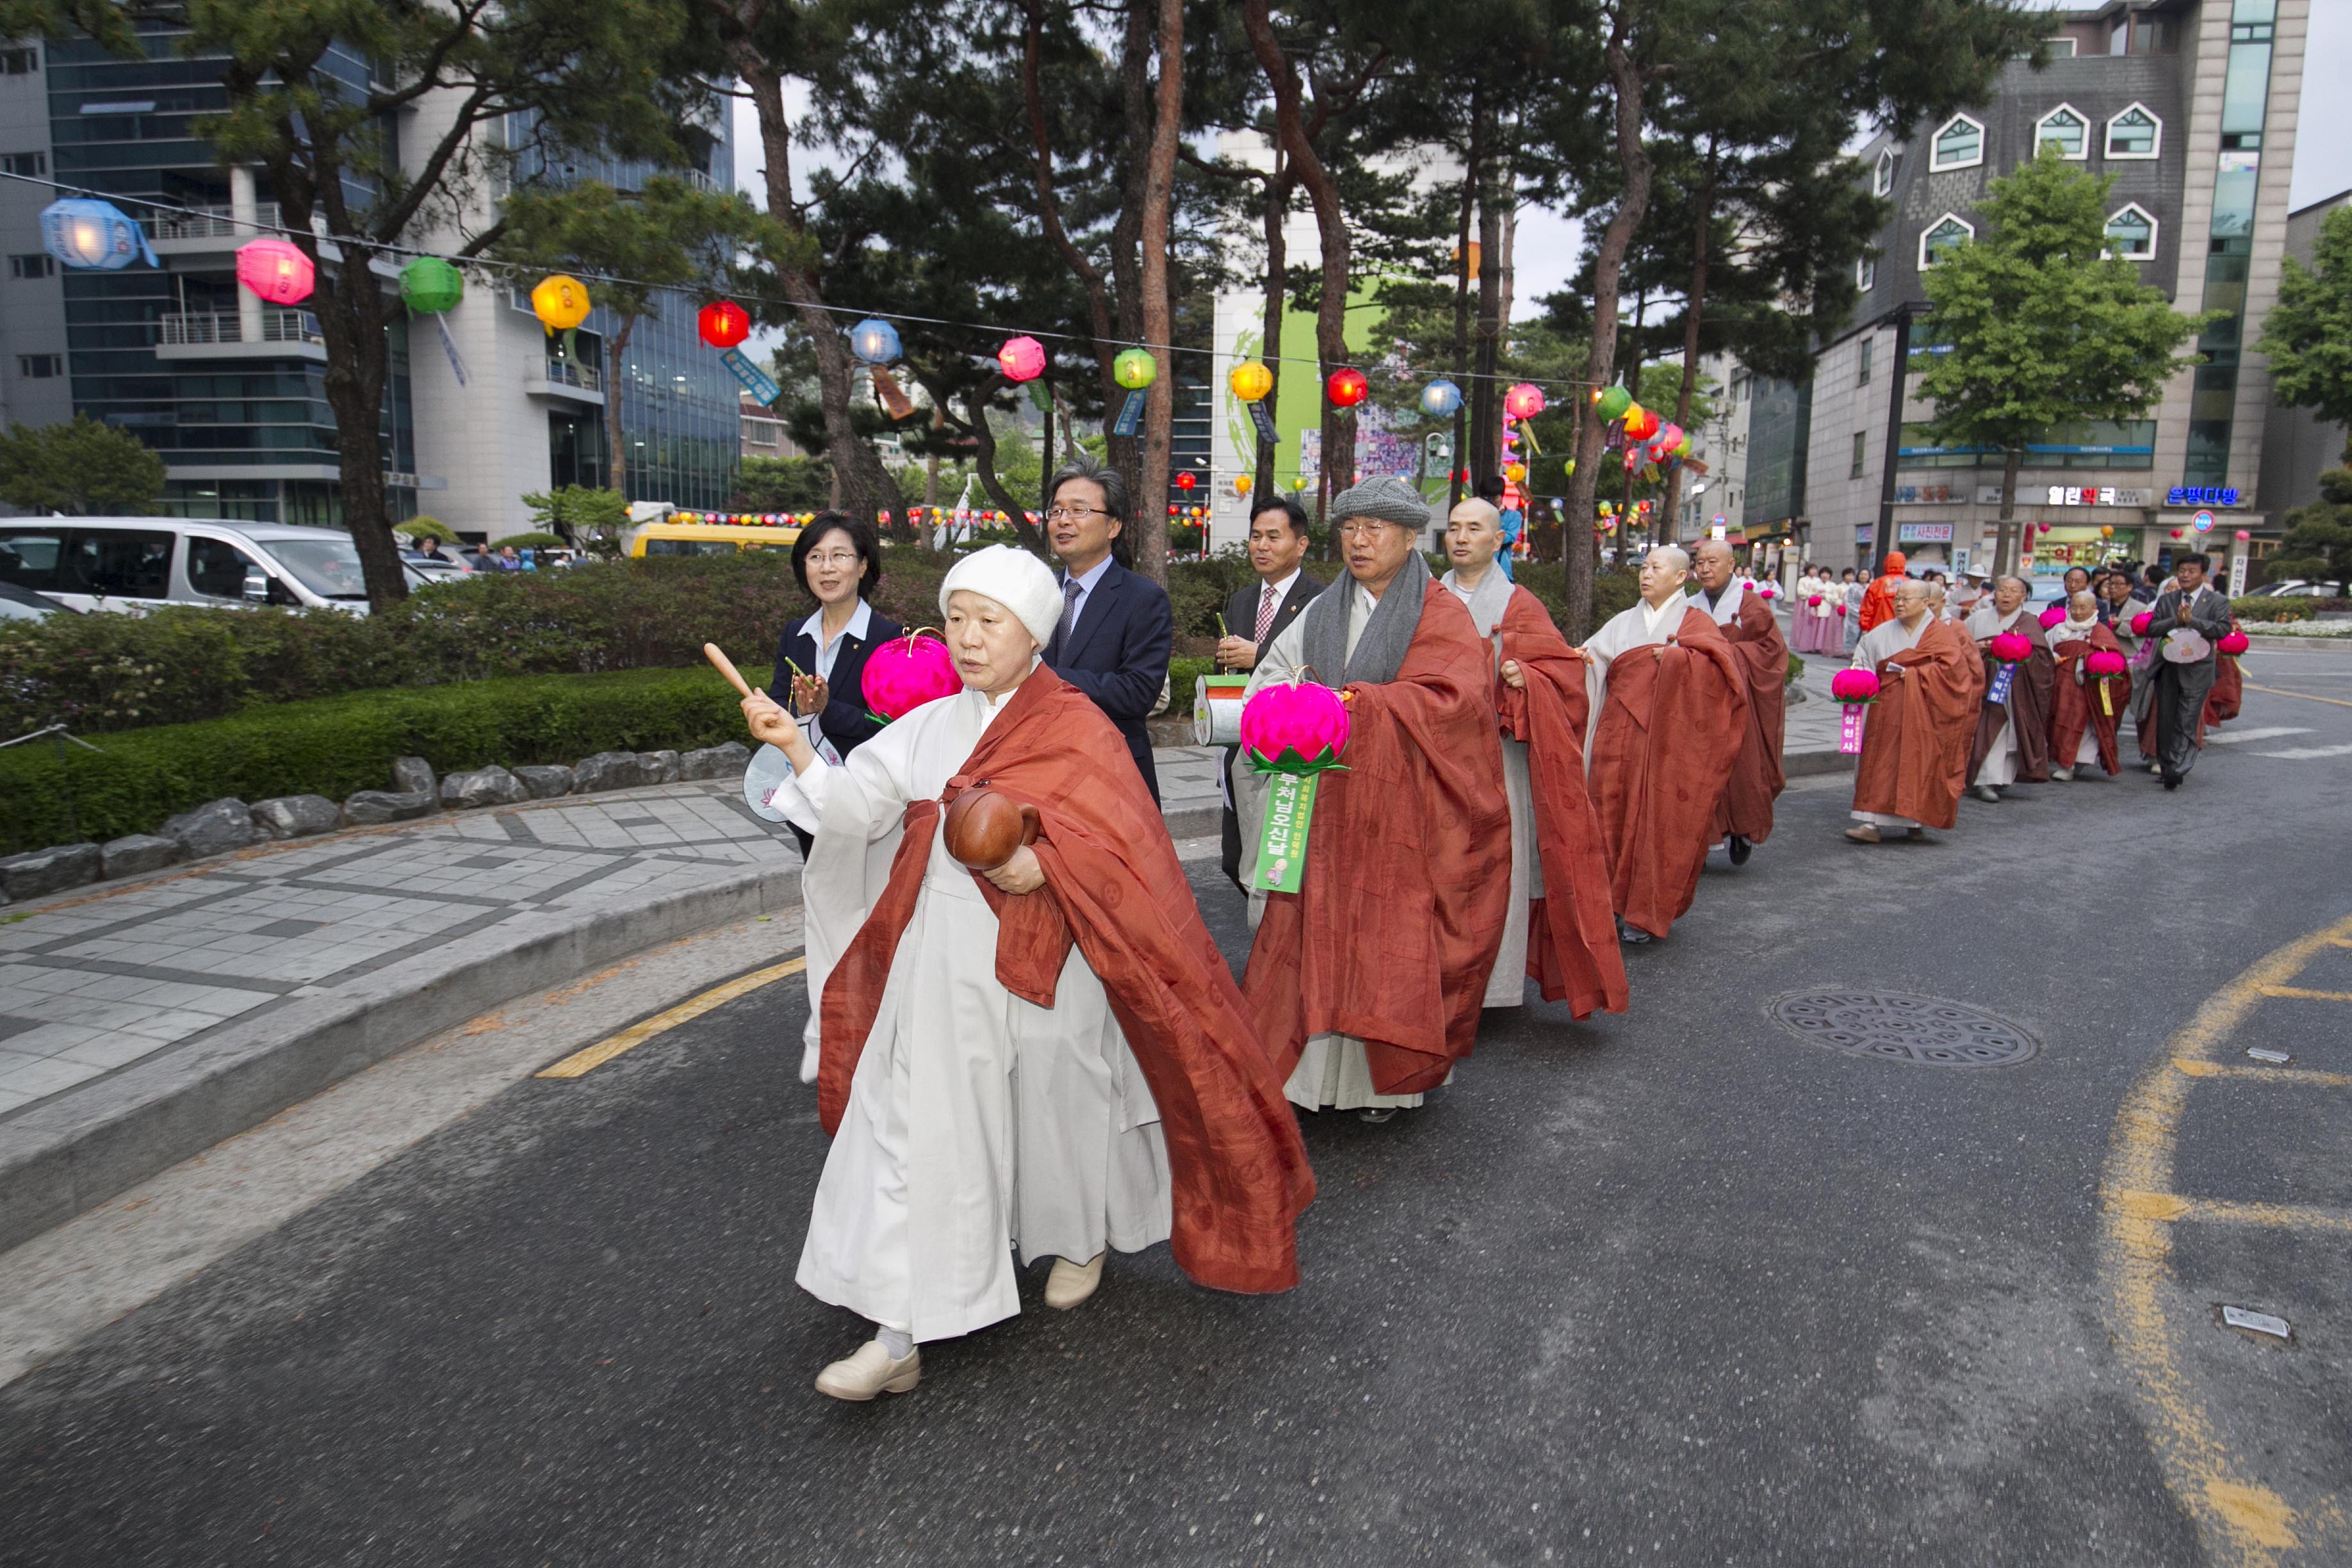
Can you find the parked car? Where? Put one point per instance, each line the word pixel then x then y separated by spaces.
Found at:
pixel 2295 588
pixel 24 604
pixel 136 563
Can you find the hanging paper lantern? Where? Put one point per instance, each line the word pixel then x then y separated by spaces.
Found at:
pixel 1347 388
pixel 1640 423
pixel 277 270
pixel 903 673
pixel 723 323
pixel 89 235
pixel 1186 480
pixel 1021 358
pixel 875 340
pixel 1134 369
pixel 1613 402
pixel 2176 533
pixel 1683 446
pixel 1250 381
pixel 1293 727
pixel 430 286
pixel 1242 483
pixel 1516 473
pixel 1524 401
pixel 2106 530
pixel 2051 615
pixel 2242 534
pixel 560 303
pixel 1439 398
pixel 2234 642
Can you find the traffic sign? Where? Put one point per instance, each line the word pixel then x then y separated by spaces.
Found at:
pixel 2202 522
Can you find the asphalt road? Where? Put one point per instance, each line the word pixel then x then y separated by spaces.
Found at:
pixel 1679 1286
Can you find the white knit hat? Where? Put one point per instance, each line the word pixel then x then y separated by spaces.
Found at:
pixel 1014 579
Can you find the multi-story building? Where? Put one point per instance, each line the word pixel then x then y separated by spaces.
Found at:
pixel 2190 106
pixel 230 392
pixel 2297 444
pixel 1718 497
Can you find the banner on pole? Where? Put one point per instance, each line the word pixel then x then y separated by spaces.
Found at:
pixel 756 381
pixel 1130 414
pixel 1282 847
pixel 1264 423
pixel 449 347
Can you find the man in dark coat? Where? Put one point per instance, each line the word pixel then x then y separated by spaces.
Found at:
pixel 1117 627
pixel 1256 615
pixel 2190 617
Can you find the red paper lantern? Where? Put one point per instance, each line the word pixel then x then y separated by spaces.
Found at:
pixel 277 270
pixel 1347 388
pixel 2242 533
pixel 1524 401
pixel 1640 423
pixel 1021 358
pixel 1186 480
pixel 723 323
pixel 2176 533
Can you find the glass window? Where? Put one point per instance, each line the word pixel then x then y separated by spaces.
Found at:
pixel 2066 130
pixel 2133 134
pixel 1959 144
pixel 34 164
pixel 2131 234
pixel 1861 455
pixel 1867 345
pixel 33 264
pixel 40 367
pixel 29 557
pixel 119 562
pixel 1865 273
pixel 217 568
pixel 327 567
pixel 1883 180
pixel 1948 234
pixel 691 547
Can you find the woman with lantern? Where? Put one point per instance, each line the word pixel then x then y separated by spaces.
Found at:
pixel 820 661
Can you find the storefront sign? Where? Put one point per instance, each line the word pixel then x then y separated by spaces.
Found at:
pixel 2202 495
pixel 1923 533
pixel 2095 495
pixel 1946 494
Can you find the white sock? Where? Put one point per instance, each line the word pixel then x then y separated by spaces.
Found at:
pixel 897 1343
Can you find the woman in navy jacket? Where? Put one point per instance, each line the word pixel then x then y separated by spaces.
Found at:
pixel 839 559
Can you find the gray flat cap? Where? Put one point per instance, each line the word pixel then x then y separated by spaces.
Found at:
pixel 1384 497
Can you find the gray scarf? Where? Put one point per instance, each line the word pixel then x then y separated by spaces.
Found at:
pixel 1380 652
pixel 1487 601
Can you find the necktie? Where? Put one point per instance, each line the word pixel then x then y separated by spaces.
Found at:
pixel 1070 592
pixel 1265 613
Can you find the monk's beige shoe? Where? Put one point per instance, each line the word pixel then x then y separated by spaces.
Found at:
pixel 1071 1283
pixel 1863 833
pixel 871 1372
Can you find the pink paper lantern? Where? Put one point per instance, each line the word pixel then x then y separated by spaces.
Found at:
pixel 1021 358
pixel 277 270
pixel 2051 615
pixel 2012 647
pixel 2104 664
pixel 2234 642
pixel 1524 401
pixel 2140 622
pixel 1290 725
pixel 1855 686
pixel 903 673
pixel 1814 601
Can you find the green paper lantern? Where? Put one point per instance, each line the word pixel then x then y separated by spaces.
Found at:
pixel 1614 401
pixel 429 286
pixel 1135 370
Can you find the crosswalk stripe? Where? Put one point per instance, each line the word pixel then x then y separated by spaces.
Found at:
pixel 2306 753
pixel 2272 733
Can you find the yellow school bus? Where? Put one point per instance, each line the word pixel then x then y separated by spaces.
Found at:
pixel 708 538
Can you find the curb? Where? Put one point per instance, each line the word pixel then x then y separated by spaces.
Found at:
pixel 1814 764
pixel 88 1145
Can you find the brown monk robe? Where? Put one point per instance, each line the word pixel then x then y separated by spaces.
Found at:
pixel 1744 816
pixel 2082 701
pixel 1672 707
pixel 2012 743
pixel 1571 934
pixel 1915 739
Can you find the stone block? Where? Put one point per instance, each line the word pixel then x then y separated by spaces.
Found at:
pixel 215 827
pixel 657 767
pixel 545 781
pixel 483 787
pixel 606 769
pixel 410 774
pixel 726 761
pixel 52 870
pixel 371 806
pixel 296 815
pixel 138 852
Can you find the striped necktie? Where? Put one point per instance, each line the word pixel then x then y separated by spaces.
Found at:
pixel 1265 613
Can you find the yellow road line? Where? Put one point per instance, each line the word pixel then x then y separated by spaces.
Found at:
pixel 2299 993
pixel 2169 1208
pixel 593 1057
pixel 2241 1520
pixel 2290 1076
pixel 2307 696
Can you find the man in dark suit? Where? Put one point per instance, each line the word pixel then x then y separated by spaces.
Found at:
pixel 1117 627
pixel 2177 691
pixel 1256 615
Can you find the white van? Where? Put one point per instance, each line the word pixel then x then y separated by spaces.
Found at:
pixel 137 563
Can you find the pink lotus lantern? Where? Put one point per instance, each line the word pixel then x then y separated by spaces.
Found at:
pixel 903 673
pixel 2234 642
pixel 1857 690
pixel 2140 622
pixel 2107 666
pixel 2051 615
pixel 277 270
pixel 1021 358
pixel 1814 601
pixel 1295 730
pixel 1767 591
pixel 2012 647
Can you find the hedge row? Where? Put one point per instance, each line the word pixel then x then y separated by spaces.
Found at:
pixel 2275 608
pixel 338 745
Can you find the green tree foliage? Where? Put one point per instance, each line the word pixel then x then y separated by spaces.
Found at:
pixel 82 468
pixel 783 484
pixel 2309 333
pixel 2043 326
pixel 2318 540
pixel 429 528
pixel 590 519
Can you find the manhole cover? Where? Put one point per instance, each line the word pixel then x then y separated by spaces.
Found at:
pixel 1925 1030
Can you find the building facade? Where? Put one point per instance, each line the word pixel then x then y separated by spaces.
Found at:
pixel 2191 107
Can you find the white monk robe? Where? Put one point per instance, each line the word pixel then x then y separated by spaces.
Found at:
pixel 1640 626
pixel 2001 762
pixel 977 1122
pixel 1332 1070
pixel 1884 640
pixel 1507 985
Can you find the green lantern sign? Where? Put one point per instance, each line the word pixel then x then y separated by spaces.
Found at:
pixel 1135 370
pixel 430 286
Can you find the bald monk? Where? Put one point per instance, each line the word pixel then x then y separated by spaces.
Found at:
pixel 1743 818
pixel 2012 743
pixel 1878 599
pixel 2081 701
pixel 1669 706
pixel 1915 742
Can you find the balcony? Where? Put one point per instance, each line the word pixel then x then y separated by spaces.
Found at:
pixel 221 335
pixel 563 379
pixel 205 230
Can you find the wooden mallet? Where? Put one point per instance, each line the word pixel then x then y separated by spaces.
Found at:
pixel 726 667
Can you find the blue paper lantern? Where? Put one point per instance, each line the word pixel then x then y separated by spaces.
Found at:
pixel 875 340
pixel 1439 398
pixel 90 235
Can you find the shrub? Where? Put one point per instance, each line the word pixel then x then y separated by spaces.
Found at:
pixel 337 745
pixel 2275 610
pixel 1182 674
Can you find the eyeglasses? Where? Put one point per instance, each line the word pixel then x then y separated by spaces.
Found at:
pixel 1073 513
pixel 832 558
pixel 1363 527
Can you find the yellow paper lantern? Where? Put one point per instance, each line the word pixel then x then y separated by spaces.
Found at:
pixel 1242 484
pixel 1516 473
pixel 2106 530
pixel 1250 381
pixel 560 303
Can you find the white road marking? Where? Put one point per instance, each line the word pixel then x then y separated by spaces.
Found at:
pixel 2304 753
pixel 2272 733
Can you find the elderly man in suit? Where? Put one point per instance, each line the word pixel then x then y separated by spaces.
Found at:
pixel 1116 628
pixel 2189 617
pixel 1277 543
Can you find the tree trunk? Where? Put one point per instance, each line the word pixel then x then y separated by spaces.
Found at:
pixel 1331 227
pixel 1459 464
pixel 2005 540
pixel 618 459
pixel 353 320
pixel 1278 186
pixel 1694 302
pixel 983 464
pixel 1158 311
pixel 1137 100
pixel 861 487
pixel 1609 261
pixel 1486 420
